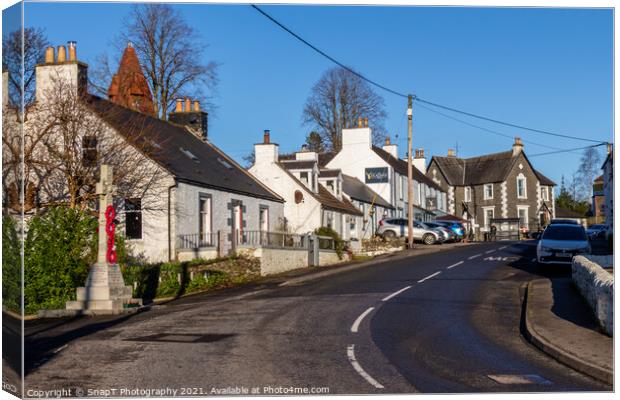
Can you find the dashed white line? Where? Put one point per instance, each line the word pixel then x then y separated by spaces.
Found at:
pixel 60 348
pixel 503 247
pixel 358 321
pixel 429 277
pixel 454 265
pixel 359 369
pixel 489 252
pixel 534 259
pixel 474 256
pixel 396 293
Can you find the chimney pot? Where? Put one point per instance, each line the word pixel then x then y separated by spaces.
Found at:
pixel 188 104
pixel 387 141
pixel 450 152
pixel 72 50
pixel 179 106
pixel 421 153
pixel 360 122
pixel 49 55
pixel 609 148
pixel 196 105
pixel 366 122
pixel 62 54
pixel 266 136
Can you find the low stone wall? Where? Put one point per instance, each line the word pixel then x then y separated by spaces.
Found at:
pixel 597 286
pixel 276 260
pixel 329 257
pixel 192 254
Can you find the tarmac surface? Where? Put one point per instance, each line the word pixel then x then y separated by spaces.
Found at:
pixel 446 322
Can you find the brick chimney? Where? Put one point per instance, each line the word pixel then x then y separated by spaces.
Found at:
pixel 192 117
pixel 266 152
pixel 58 67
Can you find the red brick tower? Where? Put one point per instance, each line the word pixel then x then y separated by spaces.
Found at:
pixel 129 87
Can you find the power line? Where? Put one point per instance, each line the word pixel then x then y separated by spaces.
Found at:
pixel 415 98
pixel 505 123
pixel 567 150
pixel 332 59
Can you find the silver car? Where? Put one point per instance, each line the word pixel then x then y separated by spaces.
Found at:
pixel 559 243
pixel 447 234
pixel 390 228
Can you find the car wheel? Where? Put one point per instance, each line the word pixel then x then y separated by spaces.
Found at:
pixel 389 235
pixel 429 239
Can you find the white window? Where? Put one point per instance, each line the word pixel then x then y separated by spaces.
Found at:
pixel 204 222
pixel 522 212
pixel 521 187
pixel 467 193
pixel 488 191
pixel 330 186
pixel 544 193
pixel 489 214
pixel 328 219
pixel 352 226
pixel 263 218
pixel 401 187
pixel 303 176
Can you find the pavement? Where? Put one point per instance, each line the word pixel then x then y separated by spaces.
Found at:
pixel 441 322
pixel 560 323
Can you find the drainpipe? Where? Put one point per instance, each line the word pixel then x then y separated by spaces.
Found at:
pixel 169 220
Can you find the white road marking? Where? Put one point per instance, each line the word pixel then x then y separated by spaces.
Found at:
pixel 534 259
pixel 454 265
pixel 489 252
pixel 474 256
pixel 430 276
pixel 528 379
pixel 359 369
pixel 503 247
pixel 359 319
pixel 396 293
pixel 60 348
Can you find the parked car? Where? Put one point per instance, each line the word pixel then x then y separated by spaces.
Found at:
pixel 563 221
pixel 448 235
pixel 559 243
pixel 596 231
pixel 457 228
pixel 390 228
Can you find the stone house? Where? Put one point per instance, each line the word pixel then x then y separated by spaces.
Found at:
pixel 494 186
pixel 313 196
pixel 384 173
pixel 194 191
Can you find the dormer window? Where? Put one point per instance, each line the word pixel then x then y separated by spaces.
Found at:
pixel 330 186
pixel 303 176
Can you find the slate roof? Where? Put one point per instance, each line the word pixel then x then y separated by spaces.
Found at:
pixel 488 168
pixel 297 164
pixel 324 196
pixel 357 190
pixel 178 151
pixel 329 173
pixel 401 167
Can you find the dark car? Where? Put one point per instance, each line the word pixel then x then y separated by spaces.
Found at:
pixel 596 231
pixel 457 228
pixel 556 221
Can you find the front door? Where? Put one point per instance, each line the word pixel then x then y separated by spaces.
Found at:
pixel 237 225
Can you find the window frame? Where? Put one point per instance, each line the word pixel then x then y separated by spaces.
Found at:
pixel 138 213
pixel 522 178
pixel 484 189
pixel 467 194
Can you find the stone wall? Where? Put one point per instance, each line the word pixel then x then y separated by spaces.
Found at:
pixel 275 261
pixel 329 257
pixel 192 254
pixel 597 287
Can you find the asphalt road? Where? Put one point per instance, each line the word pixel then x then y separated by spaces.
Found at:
pixel 439 323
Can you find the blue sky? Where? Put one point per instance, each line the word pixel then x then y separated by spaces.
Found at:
pixel 550 69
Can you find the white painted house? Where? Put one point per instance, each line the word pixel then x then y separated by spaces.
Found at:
pixel 386 174
pixel 313 196
pixel 197 191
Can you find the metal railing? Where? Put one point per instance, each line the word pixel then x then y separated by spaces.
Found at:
pixel 197 240
pixel 272 239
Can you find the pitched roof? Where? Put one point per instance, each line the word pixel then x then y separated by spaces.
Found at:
pixel 324 197
pixel 401 167
pixel 298 164
pixel 180 152
pixel 329 173
pixel 325 158
pixel 357 190
pixel 488 168
pixel 129 87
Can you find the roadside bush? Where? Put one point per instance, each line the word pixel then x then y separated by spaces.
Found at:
pixel 338 242
pixel 11 265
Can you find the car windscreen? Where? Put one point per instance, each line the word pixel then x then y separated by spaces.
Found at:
pixel 557 232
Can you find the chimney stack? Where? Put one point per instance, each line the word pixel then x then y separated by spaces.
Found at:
pixel 49 55
pixel 62 54
pixel 451 153
pixel 266 152
pixel 266 137
pixel 419 161
pixel 195 119
pixel 517 147
pixel 390 148
pixel 72 50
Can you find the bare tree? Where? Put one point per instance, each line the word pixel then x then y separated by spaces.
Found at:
pixel 336 102
pixel 170 54
pixel 65 142
pixel 34 44
pixel 589 169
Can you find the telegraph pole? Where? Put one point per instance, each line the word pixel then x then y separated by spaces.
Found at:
pixel 409 175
